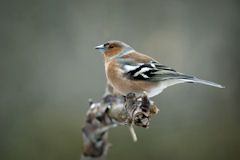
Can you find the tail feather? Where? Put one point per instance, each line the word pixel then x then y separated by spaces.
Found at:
pixel 209 83
pixel 178 78
pixel 173 78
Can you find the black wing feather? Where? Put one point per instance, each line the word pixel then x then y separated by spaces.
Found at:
pixel 153 71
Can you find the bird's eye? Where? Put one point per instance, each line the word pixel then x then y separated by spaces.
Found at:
pixel 106 44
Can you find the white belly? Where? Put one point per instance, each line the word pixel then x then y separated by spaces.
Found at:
pixel 162 85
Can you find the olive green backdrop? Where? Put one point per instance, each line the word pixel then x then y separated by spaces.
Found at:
pixel 49 69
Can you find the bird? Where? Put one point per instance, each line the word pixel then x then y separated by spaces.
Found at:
pixel 129 71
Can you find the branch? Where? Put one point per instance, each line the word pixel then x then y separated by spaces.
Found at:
pixel 111 111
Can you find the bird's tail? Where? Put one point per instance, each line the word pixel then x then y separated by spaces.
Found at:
pixel 201 81
pixel 170 78
pixel 176 78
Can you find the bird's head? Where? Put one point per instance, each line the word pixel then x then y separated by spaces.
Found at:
pixel 112 49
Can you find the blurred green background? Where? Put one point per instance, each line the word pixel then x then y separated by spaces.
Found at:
pixel 49 69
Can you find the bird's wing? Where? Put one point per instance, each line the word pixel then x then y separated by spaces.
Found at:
pixel 150 71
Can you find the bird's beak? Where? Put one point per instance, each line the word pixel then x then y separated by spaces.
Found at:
pixel 100 48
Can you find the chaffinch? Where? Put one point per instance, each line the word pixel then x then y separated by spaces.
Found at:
pixel 130 71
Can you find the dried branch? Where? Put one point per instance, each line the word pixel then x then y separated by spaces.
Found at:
pixel 111 111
